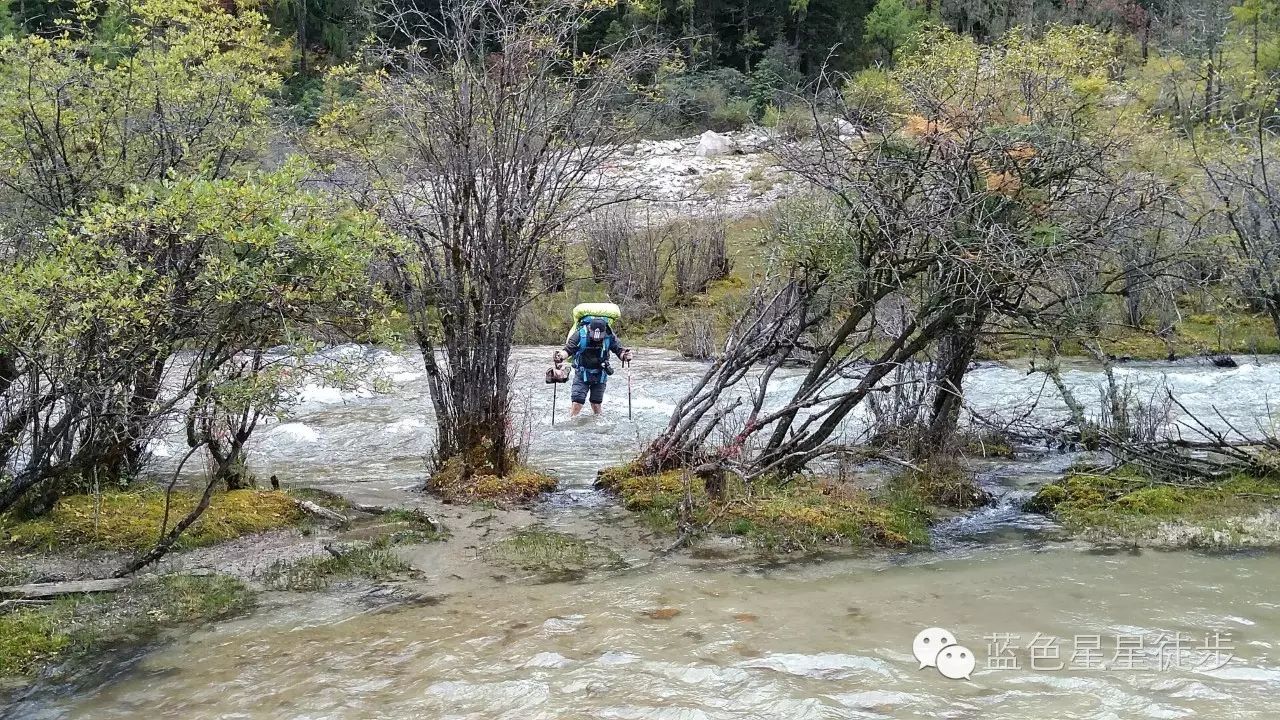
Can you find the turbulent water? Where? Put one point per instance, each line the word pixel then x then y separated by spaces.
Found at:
pixel 827 641
pixel 365 441
pixel 1056 630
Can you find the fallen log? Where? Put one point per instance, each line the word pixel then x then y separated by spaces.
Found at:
pixel 417 513
pixel 321 511
pixel 70 587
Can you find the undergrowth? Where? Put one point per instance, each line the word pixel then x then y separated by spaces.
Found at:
pixel 802 513
pixel 521 483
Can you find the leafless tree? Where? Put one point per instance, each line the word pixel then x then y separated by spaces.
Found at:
pixel 925 230
pixel 701 254
pixel 491 138
pixel 1245 181
pixel 632 255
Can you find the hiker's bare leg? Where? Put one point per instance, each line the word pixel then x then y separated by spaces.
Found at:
pixel 577 408
pixel 595 408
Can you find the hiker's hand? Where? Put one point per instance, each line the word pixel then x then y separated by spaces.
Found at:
pixel 559 356
pixel 626 356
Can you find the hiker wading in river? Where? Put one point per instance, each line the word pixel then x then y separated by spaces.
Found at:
pixel 588 347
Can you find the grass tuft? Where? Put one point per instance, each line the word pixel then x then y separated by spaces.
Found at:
pixel 941 483
pixel 371 562
pixel 522 484
pixel 800 514
pixel 540 550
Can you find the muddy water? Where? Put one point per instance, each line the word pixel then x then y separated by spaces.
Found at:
pixel 824 641
pixel 830 639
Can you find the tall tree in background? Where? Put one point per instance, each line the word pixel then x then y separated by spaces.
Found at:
pixel 891 24
pixel 332 27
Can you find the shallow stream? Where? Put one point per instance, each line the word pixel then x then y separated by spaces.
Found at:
pixel 1057 630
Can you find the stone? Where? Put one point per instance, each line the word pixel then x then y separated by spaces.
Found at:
pixel 843 128
pixel 752 142
pixel 713 144
pixel 661 613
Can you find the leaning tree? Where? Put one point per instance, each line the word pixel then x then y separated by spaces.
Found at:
pixel 974 175
pixel 480 139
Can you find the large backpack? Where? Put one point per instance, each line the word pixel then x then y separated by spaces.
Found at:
pixel 586 344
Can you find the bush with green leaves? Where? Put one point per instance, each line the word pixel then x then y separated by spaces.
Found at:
pixel 129 94
pixel 166 305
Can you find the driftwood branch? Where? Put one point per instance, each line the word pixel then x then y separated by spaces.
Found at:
pixel 321 512
pixel 36 591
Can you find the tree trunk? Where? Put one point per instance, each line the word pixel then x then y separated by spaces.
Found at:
pixel 955 353
pixel 1208 90
pixel 1273 310
pixel 302 37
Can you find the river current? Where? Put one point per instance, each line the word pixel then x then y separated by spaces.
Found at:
pixel 1057 629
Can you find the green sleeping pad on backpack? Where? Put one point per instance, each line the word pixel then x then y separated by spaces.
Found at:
pixel 608 311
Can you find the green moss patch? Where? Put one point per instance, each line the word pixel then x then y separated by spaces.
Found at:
pixel 1127 502
pixel 801 514
pixel 33 638
pixel 131 521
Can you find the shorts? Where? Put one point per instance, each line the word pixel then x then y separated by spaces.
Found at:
pixel 582 388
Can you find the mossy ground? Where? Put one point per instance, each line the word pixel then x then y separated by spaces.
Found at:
pixel 801 514
pixel 33 638
pixel 549 554
pixel 373 561
pixel 131 520
pixel 519 485
pixel 1125 502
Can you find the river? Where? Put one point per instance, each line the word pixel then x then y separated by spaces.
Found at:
pixel 1057 629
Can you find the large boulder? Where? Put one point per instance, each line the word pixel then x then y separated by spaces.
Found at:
pixel 713 144
pixel 843 128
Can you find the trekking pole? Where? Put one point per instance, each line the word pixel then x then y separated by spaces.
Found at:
pixel 555 392
pixel 627 365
